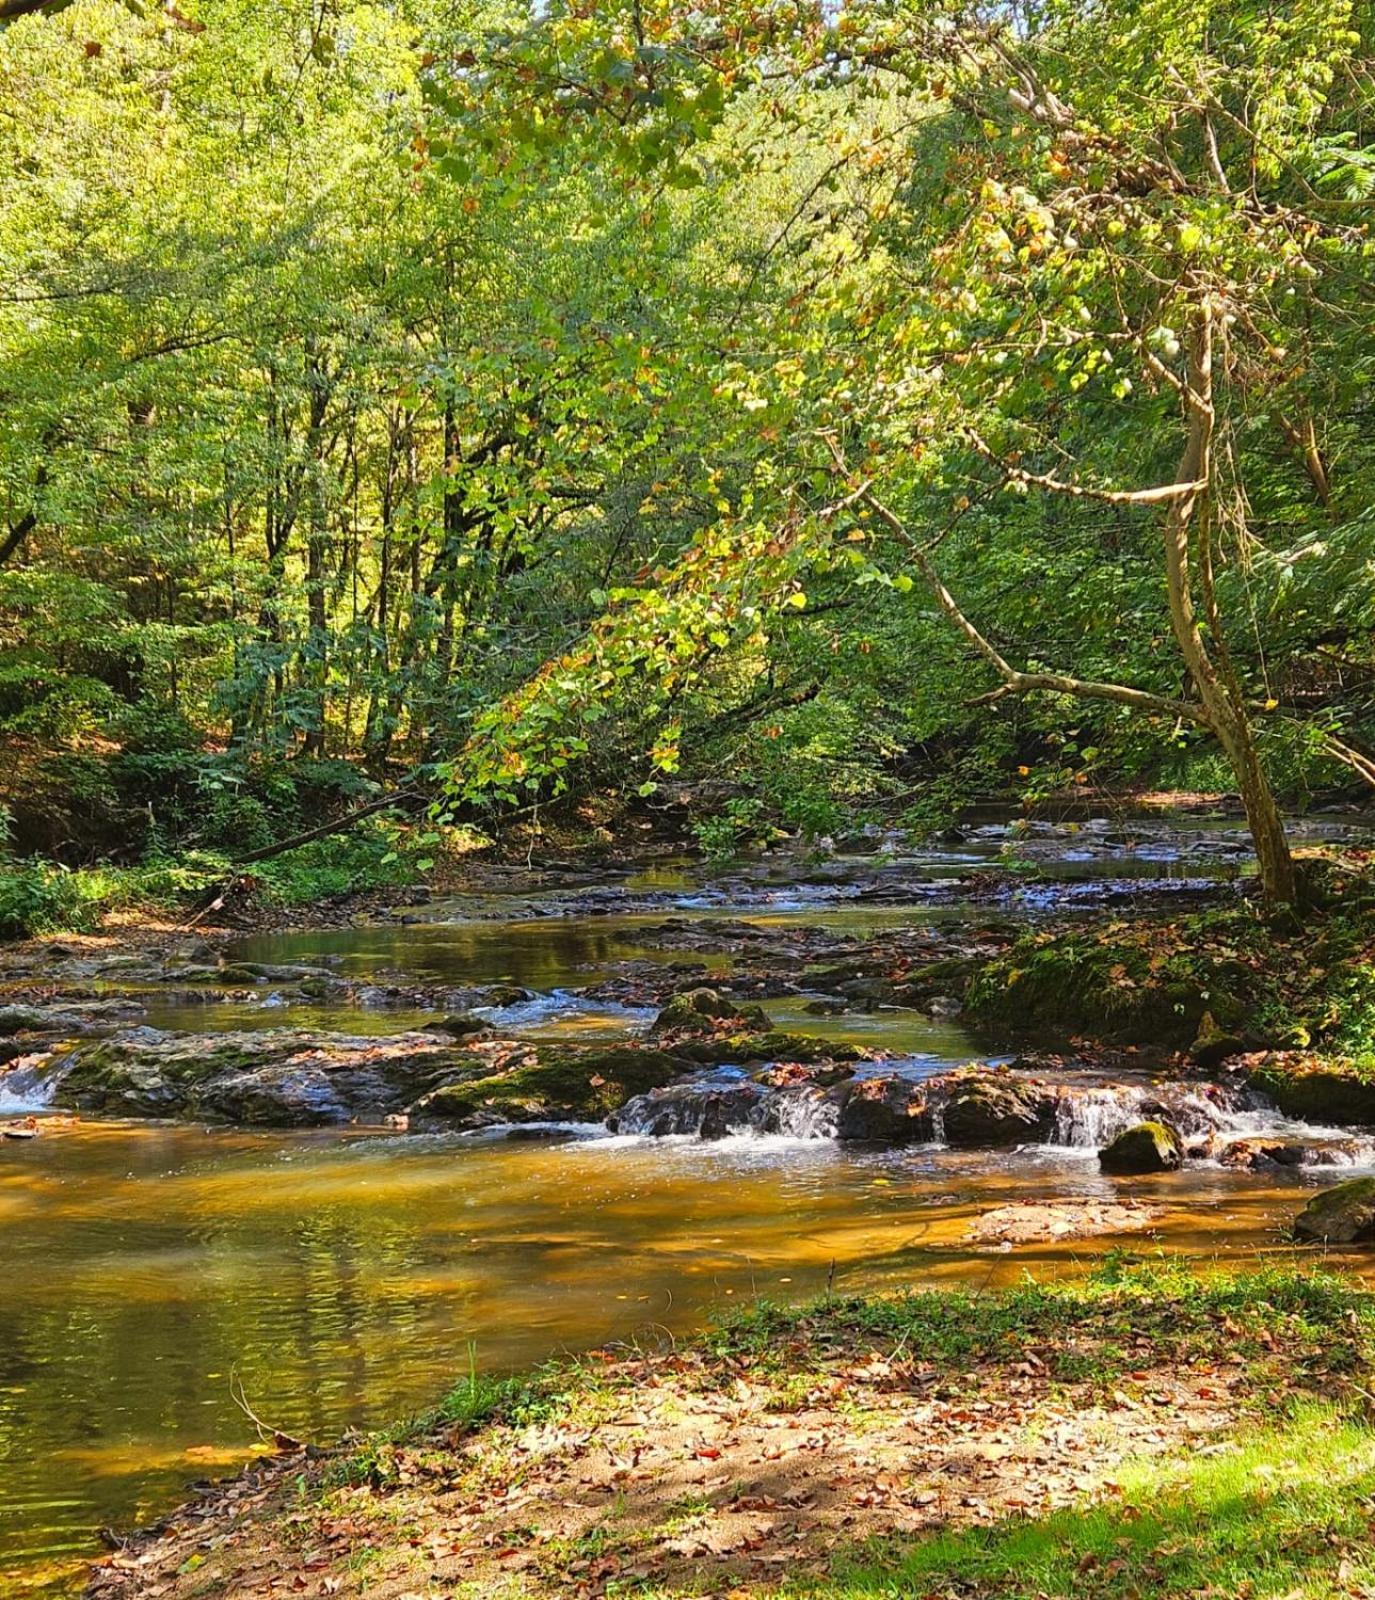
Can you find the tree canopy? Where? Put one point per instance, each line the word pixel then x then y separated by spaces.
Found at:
pixel 883 403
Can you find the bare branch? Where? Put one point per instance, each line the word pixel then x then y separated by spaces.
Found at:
pixel 1113 497
pixel 1015 681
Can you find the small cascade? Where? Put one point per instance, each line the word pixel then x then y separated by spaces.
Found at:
pixel 29 1085
pixel 717 1109
pixel 1215 1122
pixel 801 1113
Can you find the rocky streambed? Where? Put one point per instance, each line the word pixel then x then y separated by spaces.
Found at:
pixel 325 1161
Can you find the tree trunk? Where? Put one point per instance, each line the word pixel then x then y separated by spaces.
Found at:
pixel 1223 704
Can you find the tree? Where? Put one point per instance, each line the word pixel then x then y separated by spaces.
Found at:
pixel 1105 257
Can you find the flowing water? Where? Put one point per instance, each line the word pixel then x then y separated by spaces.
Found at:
pixel 148 1272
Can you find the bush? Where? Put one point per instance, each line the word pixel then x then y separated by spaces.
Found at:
pixel 40 897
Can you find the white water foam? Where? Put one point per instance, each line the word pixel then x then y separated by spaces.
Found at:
pixel 26 1087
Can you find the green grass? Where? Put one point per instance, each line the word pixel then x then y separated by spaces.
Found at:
pixel 1285 1511
pixel 1092 1330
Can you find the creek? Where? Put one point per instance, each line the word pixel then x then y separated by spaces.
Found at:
pixel 342 1278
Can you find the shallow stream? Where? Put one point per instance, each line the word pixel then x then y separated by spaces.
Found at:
pixel 149 1272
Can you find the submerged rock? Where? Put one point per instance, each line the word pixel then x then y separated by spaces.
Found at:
pixel 1344 1215
pixel 1031 1222
pixel 1145 1147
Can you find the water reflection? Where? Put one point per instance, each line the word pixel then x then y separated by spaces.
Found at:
pixel 345 1278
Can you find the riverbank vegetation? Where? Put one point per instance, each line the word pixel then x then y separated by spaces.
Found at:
pixel 887 408
pixel 1143 1431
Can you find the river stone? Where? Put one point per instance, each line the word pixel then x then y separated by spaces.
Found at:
pixel 459 1024
pixel 887 1110
pixel 987 1110
pixel 740 1049
pixel 286 1078
pixel 21 1019
pixel 552 1084
pixel 1145 1147
pixel 704 1010
pixel 1344 1215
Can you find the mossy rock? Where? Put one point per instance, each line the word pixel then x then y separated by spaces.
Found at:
pixel 950 976
pixel 985 1110
pixel 554 1085
pixel 704 1010
pixel 739 1049
pixel 459 1024
pixel 1344 1215
pixel 276 1078
pixel 1078 984
pixel 1214 1044
pixel 21 1019
pixel 1146 1147
pixel 1331 1089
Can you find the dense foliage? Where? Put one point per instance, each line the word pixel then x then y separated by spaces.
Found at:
pixel 876 404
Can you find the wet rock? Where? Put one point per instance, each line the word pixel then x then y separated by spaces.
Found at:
pixel 1314 1088
pixel 458 1024
pixel 273 1079
pixel 1255 1153
pixel 887 1110
pixel 507 994
pixel 1145 1147
pixel 983 1110
pixel 705 1010
pixel 21 1019
pixel 739 1049
pixel 551 1084
pixel 1344 1215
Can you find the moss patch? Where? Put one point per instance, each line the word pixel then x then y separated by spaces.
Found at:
pixel 1316 1088
pixel 555 1085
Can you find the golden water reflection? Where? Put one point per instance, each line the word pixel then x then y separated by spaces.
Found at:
pixel 345 1278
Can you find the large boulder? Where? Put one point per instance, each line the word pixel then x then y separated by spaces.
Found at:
pixel 1314 1088
pixel 550 1084
pixel 887 1110
pixel 1145 1147
pixel 973 1108
pixel 1344 1215
pixel 985 1109
pixel 276 1078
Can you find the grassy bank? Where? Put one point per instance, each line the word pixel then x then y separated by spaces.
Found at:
pixel 1145 1432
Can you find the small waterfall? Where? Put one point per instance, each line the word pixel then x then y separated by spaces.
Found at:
pixel 1212 1119
pixel 801 1113
pixel 716 1110
pixel 28 1085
